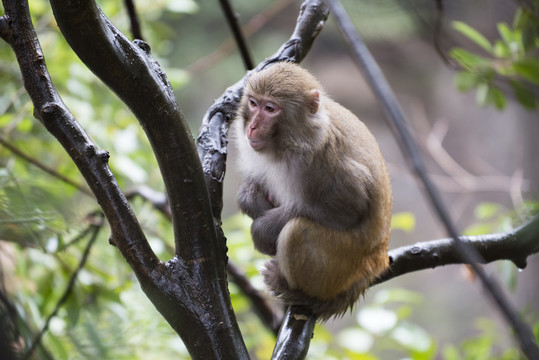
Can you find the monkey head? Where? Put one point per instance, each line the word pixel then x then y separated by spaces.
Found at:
pixel 273 108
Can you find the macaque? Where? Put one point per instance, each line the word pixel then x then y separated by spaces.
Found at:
pixel 317 188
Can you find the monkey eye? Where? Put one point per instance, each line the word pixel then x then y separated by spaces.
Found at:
pixel 270 108
pixel 252 102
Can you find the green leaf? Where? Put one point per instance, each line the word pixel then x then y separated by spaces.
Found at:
pixel 469 60
pixel 486 210
pixel 524 96
pixel 489 94
pixel 25 125
pixel 466 80
pixel 451 353
pixel 501 50
pixel 404 221
pixel 473 35
pixel 478 229
pixel 528 24
pixel 506 33
pixel 5 119
pixel 387 296
pixel 528 69
pixel 520 20
pixel 498 98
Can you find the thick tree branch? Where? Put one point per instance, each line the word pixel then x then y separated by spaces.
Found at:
pixel 515 245
pixel 131 72
pixel 295 335
pixel 270 316
pixel 187 290
pixel 92 163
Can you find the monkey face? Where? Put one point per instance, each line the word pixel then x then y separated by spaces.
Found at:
pixel 262 117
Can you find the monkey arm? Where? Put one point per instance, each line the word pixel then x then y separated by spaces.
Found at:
pixel 253 199
pixel 266 228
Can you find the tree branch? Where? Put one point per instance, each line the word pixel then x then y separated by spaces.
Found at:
pixel 92 163
pixel 5 32
pixel 271 317
pixel 185 288
pixel 18 152
pixel 295 335
pixel 256 22
pixel 515 245
pixel 131 72
pixel 232 20
pixel 385 95
pixel 133 19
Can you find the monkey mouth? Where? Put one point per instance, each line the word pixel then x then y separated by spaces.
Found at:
pixel 257 145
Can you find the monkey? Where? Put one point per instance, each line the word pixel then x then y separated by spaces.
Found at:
pixel 316 185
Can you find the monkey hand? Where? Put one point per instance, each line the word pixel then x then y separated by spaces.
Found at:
pixel 253 200
pixel 266 228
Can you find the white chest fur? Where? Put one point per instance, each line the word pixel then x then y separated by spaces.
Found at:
pixel 281 182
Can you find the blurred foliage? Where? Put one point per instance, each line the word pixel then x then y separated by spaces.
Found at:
pixel 404 221
pixel 512 65
pixel 494 218
pixel 106 316
pixel 486 345
pixel 44 222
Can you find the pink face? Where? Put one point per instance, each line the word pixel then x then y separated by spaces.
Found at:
pixel 263 115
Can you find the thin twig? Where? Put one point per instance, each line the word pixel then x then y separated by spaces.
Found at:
pixel 437 34
pixel 67 291
pixel 16 151
pixel 270 316
pixel 158 199
pixel 133 19
pixel 255 24
pixel 232 20
pixel 378 83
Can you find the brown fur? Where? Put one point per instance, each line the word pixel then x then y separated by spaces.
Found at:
pixel 320 196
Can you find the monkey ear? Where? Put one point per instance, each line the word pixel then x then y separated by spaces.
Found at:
pixel 315 101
